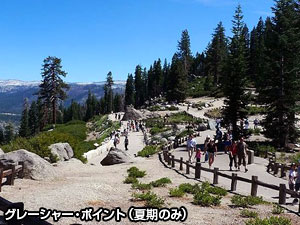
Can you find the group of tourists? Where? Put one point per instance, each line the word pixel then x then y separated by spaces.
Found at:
pixel 237 151
pixel 135 126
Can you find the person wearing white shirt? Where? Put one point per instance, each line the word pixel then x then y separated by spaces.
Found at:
pixel 191 146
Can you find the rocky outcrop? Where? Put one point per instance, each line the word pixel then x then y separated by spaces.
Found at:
pixel 1 152
pixel 131 114
pixel 35 167
pixel 63 151
pixel 116 156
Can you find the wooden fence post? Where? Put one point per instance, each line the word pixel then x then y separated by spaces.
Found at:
pixel 254 186
pixel 282 170
pixel 198 170
pixel 187 167
pixel 282 194
pixel 233 182
pixel 276 168
pixel 1 177
pixel 11 178
pixel 169 159
pixel 173 161
pixel 216 178
pixel 181 161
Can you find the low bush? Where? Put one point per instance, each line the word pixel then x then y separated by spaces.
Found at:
pixel 130 180
pixel 214 113
pixel 256 110
pixel 157 130
pixel 255 131
pixel 203 198
pixel 270 221
pixel 184 134
pixel 188 188
pixel 152 199
pixel 135 172
pixel 261 149
pixel 162 182
pixel 214 190
pixel 247 201
pixel 249 214
pixel 176 192
pixel 277 209
pixel 141 186
pixel 148 150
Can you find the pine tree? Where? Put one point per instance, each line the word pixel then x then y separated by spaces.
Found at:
pixel 184 53
pixel 166 73
pixel 138 84
pixel 145 82
pixel 118 104
pixel 157 78
pixel 9 133
pixel 53 88
pixel 282 84
pixel 150 82
pixel 234 82
pixel 198 67
pixel 216 54
pixel 2 139
pixel 108 93
pixel 33 120
pixel 177 81
pixel 129 91
pixel 91 106
pixel 24 130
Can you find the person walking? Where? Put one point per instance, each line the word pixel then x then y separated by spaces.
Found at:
pixel 292 177
pixel 242 152
pixel 206 142
pixel 126 143
pixel 198 155
pixel 212 152
pixel 116 140
pixel 232 155
pixel 191 145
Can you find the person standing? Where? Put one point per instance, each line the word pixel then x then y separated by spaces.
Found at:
pixel 232 155
pixel 292 177
pixel 256 122
pixel 206 142
pixel 191 145
pixel 126 143
pixel 212 152
pixel 242 152
pixel 297 184
pixel 198 155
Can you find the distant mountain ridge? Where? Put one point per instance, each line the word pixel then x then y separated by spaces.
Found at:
pixel 13 92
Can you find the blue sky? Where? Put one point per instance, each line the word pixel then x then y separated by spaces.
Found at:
pixel 96 36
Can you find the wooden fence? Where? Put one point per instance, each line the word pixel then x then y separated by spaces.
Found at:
pixel 10 172
pixel 171 161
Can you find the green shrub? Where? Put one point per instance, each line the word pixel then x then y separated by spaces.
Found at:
pixel 255 131
pixel 214 113
pixel 247 201
pixel 256 110
pixel 162 182
pixel 203 198
pixel 249 214
pixel 184 134
pixel 130 180
pixel 141 186
pixel 277 209
pixel 295 158
pixel 172 108
pixel 152 200
pixel 148 150
pixel 261 149
pixel 188 188
pixel 157 130
pixel 135 172
pixel 270 221
pixel 181 117
pixel 176 192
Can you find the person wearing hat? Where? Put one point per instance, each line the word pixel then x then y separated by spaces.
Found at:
pixel 191 147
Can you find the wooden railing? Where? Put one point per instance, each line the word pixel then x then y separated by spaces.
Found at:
pixel 10 173
pixel 171 161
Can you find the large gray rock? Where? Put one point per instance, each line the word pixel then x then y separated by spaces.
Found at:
pixel 131 114
pixel 62 150
pixel 1 152
pixel 116 156
pixel 35 167
pixel 202 127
